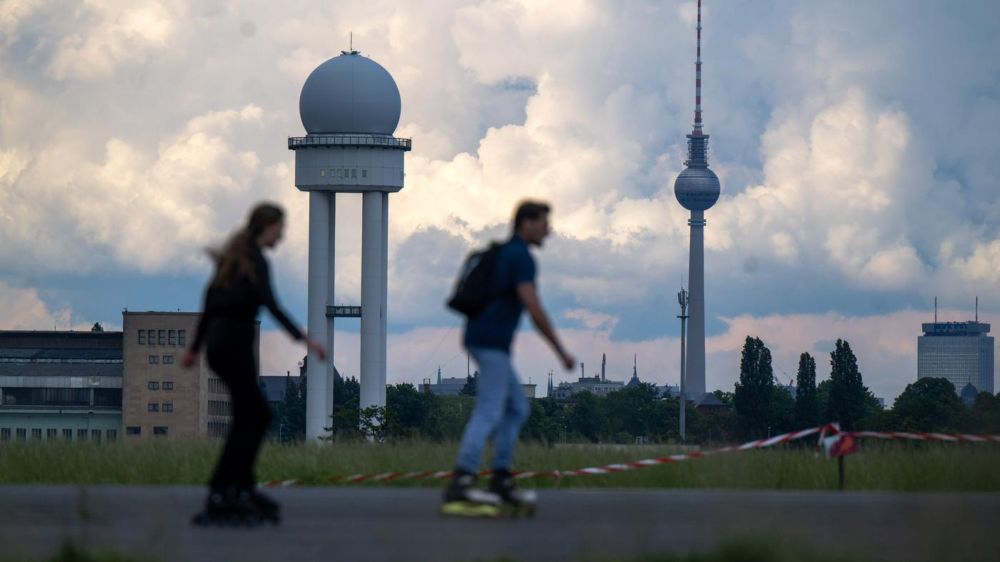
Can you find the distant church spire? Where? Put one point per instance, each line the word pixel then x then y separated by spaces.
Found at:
pixel 634 381
pixel 439 375
pixel 604 364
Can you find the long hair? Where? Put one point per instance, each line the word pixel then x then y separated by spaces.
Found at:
pixel 235 259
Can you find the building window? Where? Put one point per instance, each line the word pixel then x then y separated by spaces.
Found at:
pixel 22 434
pixel 182 338
pixel 81 435
pixel 162 337
pixel 68 434
pixel 153 407
pixel 95 435
pixel 354 173
pixel 5 434
pixel 216 386
pixel 159 430
pixel 172 337
pixel 153 385
pixel 154 359
pixel 142 337
pixel 168 359
pixel 52 434
pixel 36 433
pixel 168 406
pixel 133 430
pixel 111 435
pixel 151 336
pixel 168 385
pixel 364 173
pixel 218 429
pixel 322 173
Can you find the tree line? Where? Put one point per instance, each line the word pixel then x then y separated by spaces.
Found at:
pixel 759 407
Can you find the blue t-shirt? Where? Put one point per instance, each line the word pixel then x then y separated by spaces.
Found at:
pixel 494 327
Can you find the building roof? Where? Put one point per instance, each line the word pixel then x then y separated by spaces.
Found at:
pixel 37 339
pixel 709 400
pixel 969 393
pixel 60 354
pixel 274 386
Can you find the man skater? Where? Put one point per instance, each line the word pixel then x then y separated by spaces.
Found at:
pixel 501 407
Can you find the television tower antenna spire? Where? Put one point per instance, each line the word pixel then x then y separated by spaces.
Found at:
pixel 697 79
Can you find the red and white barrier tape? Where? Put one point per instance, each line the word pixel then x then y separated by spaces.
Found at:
pixel 831 437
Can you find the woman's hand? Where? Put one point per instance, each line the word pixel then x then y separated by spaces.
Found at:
pixel 189 358
pixel 316 347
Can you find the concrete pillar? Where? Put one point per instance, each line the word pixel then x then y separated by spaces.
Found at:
pixel 385 290
pixel 373 282
pixel 695 375
pixel 330 299
pixel 320 264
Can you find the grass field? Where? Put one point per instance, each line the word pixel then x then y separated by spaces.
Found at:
pixel 879 466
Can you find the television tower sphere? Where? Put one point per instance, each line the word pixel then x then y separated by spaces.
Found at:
pixel 350 94
pixel 697 188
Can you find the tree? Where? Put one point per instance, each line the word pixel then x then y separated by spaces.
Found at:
pixel 631 411
pixel 752 399
pixel 806 413
pixel 291 414
pixel 470 385
pixel 586 416
pixel 847 402
pixel 97 327
pixel 984 416
pixel 346 406
pixel 406 410
pixel 930 404
pixel 545 424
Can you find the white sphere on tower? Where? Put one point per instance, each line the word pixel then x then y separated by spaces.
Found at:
pixel 350 94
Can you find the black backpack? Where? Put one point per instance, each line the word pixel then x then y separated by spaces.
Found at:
pixel 472 289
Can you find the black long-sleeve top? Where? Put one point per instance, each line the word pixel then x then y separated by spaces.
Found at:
pixel 241 300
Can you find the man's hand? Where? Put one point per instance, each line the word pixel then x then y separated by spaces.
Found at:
pixel 316 347
pixel 189 358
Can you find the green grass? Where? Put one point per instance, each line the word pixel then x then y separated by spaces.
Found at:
pixel 879 466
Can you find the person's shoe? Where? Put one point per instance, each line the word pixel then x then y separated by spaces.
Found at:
pixel 516 501
pixel 229 508
pixel 270 510
pixel 463 498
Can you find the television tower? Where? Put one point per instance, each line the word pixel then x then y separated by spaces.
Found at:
pixel 350 107
pixel 697 189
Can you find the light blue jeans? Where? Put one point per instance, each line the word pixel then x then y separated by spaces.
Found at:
pixel 500 411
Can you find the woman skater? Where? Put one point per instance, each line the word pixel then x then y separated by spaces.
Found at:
pixel 227 329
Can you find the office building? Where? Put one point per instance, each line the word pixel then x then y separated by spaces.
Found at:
pixel 159 397
pixel 60 385
pixel 962 352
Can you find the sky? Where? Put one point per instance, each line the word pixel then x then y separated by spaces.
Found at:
pixel 856 143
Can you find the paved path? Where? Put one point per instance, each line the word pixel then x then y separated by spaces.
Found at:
pixel 362 524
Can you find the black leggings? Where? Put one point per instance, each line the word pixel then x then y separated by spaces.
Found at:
pixel 230 355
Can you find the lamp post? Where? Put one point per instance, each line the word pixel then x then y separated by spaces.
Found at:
pixel 682 299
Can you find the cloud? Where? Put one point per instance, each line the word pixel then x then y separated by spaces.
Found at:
pixel 122 33
pixel 24 309
pixel 855 174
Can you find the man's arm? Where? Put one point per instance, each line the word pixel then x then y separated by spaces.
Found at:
pixel 529 298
